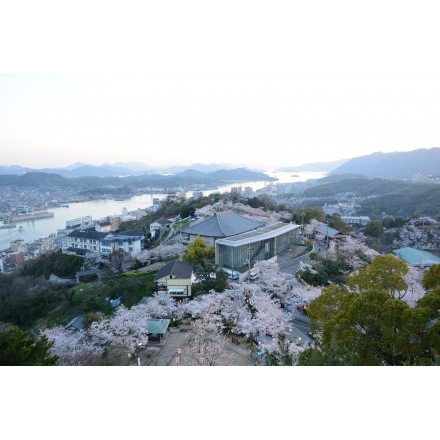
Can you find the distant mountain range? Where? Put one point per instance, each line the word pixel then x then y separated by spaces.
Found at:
pixel 188 177
pixel 323 167
pixel 113 170
pixel 424 161
pixel 385 165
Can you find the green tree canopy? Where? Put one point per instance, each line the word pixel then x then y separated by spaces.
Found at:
pixel 370 324
pixel 20 348
pixel 431 278
pixel 385 273
pixel 211 278
pixel 198 252
pixel 373 228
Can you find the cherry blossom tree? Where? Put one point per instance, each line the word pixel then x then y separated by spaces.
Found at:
pixel 160 305
pixel 355 253
pixel 167 251
pixel 257 214
pixel 120 261
pixel 415 289
pixel 281 351
pixel 143 256
pixel 73 347
pixel 93 260
pixel 126 327
pixel 206 346
pixel 271 279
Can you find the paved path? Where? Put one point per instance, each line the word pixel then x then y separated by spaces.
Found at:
pixel 167 355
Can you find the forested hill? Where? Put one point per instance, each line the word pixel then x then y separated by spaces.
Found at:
pixel 40 179
pixel 394 165
pixel 393 197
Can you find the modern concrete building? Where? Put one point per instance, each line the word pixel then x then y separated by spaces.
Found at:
pixel 241 251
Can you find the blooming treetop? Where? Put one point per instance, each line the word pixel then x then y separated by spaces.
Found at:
pixel 271 279
pixel 71 346
pixel 257 214
pixel 127 327
pixel 206 346
pixel 160 305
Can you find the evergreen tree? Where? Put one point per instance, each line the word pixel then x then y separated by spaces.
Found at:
pixel 20 348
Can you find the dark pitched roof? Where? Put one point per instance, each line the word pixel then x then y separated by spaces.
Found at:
pixel 133 232
pixel 89 233
pixel 78 251
pixel 163 221
pixel 326 230
pixel 76 323
pixel 223 224
pixel 175 269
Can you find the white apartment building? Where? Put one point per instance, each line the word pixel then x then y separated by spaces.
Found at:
pixel 353 220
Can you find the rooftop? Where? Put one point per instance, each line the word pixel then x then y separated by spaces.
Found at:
pixel 176 269
pixel 416 257
pixel 223 224
pixel 265 233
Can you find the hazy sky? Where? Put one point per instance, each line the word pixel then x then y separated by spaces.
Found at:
pixel 262 84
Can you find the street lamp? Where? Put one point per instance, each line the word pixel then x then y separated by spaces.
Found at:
pixel 139 346
pixel 249 261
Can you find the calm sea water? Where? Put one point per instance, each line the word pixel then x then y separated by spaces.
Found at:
pixel 33 229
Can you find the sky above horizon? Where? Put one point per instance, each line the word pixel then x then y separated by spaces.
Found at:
pixel 247 84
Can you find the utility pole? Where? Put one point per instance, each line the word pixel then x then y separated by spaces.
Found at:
pixel 302 225
pixel 326 247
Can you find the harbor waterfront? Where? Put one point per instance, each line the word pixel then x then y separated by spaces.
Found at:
pixel 33 229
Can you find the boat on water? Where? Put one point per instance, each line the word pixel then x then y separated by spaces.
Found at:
pixel 20 229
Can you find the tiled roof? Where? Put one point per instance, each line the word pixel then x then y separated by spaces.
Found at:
pixel 416 257
pixel 162 221
pixel 134 232
pixel 76 323
pixel 326 230
pixel 224 224
pixel 78 251
pixel 176 269
pixel 158 326
pixel 89 233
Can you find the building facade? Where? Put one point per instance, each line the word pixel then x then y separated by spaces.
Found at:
pixel 240 252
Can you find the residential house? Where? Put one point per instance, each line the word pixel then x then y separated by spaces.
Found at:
pixel 158 226
pixel 175 278
pixel 103 226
